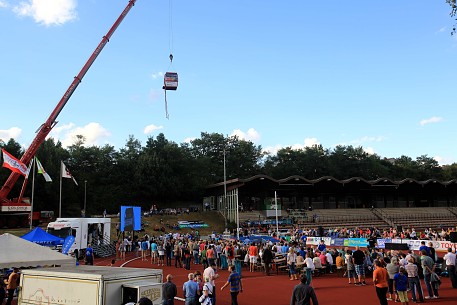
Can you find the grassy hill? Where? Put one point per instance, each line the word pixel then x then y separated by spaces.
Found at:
pixel 214 220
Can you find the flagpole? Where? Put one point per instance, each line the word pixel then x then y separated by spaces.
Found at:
pixel 60 193
pixel 276 207
pixel 33 195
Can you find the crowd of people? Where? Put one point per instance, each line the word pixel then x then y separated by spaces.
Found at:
pixel 391 270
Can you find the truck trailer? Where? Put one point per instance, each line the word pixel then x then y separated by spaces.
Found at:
pixel 89 285
pixel 95 231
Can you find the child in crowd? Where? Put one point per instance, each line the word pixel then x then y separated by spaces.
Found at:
pixel 401 285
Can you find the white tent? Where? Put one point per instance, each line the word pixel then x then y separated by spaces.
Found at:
pixel 18 252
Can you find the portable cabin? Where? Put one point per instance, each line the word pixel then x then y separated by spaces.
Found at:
pixel 170 81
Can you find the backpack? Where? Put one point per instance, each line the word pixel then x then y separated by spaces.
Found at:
pixel 230 252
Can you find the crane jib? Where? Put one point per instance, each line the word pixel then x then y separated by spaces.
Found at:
pixel 46 128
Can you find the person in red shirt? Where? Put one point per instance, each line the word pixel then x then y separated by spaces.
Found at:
pixel 253 253
pixel 380 277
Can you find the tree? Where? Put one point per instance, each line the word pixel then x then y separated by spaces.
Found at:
pixel 453 13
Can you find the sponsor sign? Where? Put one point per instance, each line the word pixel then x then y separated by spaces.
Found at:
pixel 17 208
pixel 439 245
pixel 317 240
pixel 192 224
pixel 381 242
pixel 339 242
pixel 353 242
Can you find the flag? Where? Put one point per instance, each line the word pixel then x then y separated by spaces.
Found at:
pixel 42 171
pixel 29 169
pixel 13 164
pixel 66 173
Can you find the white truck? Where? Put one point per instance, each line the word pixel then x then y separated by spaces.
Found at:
pixel 89 285
pixel 95 231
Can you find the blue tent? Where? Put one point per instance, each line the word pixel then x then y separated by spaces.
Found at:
pixel 39 236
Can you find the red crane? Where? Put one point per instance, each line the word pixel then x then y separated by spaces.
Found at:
pixel 13 207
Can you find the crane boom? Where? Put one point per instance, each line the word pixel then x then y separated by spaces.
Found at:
pixel 46 128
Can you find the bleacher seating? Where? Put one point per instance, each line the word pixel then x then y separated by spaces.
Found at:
pixel 382 218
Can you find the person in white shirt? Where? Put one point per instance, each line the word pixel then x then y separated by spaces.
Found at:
pixel 309 262
pixel 329 262
pixel 450 260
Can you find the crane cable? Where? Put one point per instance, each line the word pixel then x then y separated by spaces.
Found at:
pixel 170 46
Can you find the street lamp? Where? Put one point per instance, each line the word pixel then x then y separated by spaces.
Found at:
pixel 85 193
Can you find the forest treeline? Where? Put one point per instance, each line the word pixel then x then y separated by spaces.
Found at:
pixel 163 171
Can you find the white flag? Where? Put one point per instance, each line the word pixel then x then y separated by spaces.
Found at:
pixel 28 169
pixel 42 171
pixel 66 173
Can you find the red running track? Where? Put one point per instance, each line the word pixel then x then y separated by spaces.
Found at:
pixel 331 289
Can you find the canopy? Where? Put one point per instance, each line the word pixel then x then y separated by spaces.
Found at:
pixel 18 252
pixel 39 236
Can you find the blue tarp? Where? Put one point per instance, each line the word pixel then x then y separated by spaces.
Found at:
pixel 39 236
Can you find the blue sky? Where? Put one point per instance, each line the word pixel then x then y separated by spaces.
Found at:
pixel 380 75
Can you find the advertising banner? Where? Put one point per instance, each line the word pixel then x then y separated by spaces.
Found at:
pixel 382 242
pixel 69 240
pixel 353 242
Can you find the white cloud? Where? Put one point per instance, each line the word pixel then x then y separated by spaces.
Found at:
pixel 13 132
pixel 3 4
pixel 443 29
pixel 272 150
pixel 93 133
pixel 48 12
pixel 369 150
pixel 151 128
pixel 444 160
pixel 251 135
pixel 433 119
pixel 189 139
pixel 157 75
pixel 308 142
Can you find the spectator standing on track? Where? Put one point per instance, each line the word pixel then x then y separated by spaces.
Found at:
pixel 450 260
pixel 358 257
pixel 401 285
pixel 291 262
pixel 205 299
pixel 267 259
pixel 350 267
pixel 168 252
pixel 211 275
pixel 169 291
pixel 234 280
pixel 303 294
pixel 380 277
pixel 413 280
pixel 211 255
pixel 392 270
pixel 253 253
pixel 428 267
pixel 144 248
pixel 89 255
pixel 177 253
pixel 190 289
